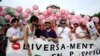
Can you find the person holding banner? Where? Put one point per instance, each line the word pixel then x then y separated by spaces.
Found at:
pixel 82 32
pixel 14 36
pixel 63 31
pixel 29 32
pixel 48 33
pixel 97 25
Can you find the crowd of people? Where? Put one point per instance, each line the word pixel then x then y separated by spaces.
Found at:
pixel 14 32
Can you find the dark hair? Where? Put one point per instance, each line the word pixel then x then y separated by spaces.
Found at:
pixel 62 20
pixel 76 24
pixel 14 20
pixel 33 18
pixel 47 23
pixel 81 24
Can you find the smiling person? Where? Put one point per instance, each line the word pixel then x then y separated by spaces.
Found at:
pixel 82 32
pixel 63 31
pixel 48 33
pixel 13 34
pixel 29 32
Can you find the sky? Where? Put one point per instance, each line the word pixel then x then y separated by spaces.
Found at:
pixel 87 7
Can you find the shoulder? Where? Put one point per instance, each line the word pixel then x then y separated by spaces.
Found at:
pixel 10 29
pixel 59 28
pixel 67 28
pixel 78 29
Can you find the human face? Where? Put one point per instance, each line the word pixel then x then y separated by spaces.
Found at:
pixel 15 24
pixel 83 26
pixel 35 22
pixel 47 25
pixel 63 23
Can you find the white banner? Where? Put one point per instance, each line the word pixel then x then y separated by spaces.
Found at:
pixel 39 47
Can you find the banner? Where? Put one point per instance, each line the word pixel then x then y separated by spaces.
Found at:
pixel 92 30
pixel 39 47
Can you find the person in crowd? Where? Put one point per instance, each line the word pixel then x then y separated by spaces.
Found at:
pixel 13 33
pixel 75 26
pixel 96 33
pixel 63 31
pixel 48 33
pixel 2 45
pixel 97 25
pixel 29 32
pixel 82 32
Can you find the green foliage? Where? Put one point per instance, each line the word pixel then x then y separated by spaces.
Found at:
pixel 9 11
pixel 97 15
pixel 2 20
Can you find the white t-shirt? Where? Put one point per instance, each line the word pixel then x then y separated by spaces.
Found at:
pixel 80 31
pixel 64 34
pixel 14 33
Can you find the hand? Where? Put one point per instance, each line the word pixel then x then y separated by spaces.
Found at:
pixel 71 39
pixel 43 38
pixel 50 39
pixel 60 37
pixel 34 37
pixel 20 38
pixel 29 52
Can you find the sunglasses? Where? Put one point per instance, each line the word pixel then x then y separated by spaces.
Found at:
pixel 62 23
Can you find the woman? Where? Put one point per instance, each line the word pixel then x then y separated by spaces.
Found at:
pixel 14 35
pixel 29 32
pixel 63 31
pixel 82 31
pixel 48 33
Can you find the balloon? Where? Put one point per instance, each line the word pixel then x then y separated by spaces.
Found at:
pixel 36 12
pixel 35 7
pixel 49 10
pixel 86 18
pixel 58 14
pixel 67 12
pixel 74 20
pixel 1 9
pixel 82 20
pixel 69 16
pixel 19 9
pixel 45 13
pixel 95 19
pixel 28 10
pixel 62 11
pixel 25 15
pixel 78 16
pixel 51 17
pixel 17 14
pixel 2 13
pixel 55 18
pixel 41 17
pixel 7 17
pixel 73 16
pixel 63 17
pixel 41 22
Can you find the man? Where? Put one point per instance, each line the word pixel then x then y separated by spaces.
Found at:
pixel 48 33
pixel 14 36
pixel 63 31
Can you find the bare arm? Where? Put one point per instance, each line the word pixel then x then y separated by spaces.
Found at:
pixel 25 32
pixel 13 39
pixel 79 37
pixel 70 36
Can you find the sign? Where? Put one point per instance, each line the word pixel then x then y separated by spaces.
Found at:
pixel 39 47
pixel 92 30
